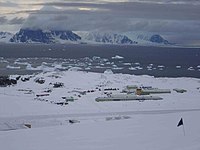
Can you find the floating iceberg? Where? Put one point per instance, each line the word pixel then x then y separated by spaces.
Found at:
pixel 117 57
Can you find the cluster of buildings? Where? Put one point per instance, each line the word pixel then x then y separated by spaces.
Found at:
pixel 133 92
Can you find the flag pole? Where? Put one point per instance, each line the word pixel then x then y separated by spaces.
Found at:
pixel 183 129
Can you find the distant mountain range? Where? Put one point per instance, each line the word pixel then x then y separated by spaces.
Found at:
pixel 41 36
pixel 105 38
pixel 56 36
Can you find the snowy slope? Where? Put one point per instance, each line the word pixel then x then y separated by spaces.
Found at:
pixel 5 37
pixel 141 132
pixel 100 125
pixel 82 81
pixel 139 38
pixel 105 38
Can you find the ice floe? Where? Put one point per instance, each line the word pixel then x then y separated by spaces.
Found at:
pixel 117 57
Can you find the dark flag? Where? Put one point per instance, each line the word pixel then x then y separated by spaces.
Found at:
pixel 180 123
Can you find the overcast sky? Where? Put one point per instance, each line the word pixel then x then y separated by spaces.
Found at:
pixel 177 20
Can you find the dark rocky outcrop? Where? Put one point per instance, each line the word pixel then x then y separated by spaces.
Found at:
pixel 24 79
pixel 6 81
pixel 40 80
pixel 58 85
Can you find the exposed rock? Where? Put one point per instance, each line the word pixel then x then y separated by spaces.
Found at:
pixel 17 78
pixel 74 121
pixel 24 79
pixel 5 81
pixel 57 85
pixel 40 80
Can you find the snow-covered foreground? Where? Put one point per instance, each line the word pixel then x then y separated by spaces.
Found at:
pixel 99 125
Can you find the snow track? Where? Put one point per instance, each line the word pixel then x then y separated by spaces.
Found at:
pixel 15 123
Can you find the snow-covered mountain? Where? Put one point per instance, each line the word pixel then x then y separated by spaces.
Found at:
pixel 105 38
pixel 93 37
pixel 123 38
pixel 44 36
pixel 156 38
pixel 145 38
pixel 5 37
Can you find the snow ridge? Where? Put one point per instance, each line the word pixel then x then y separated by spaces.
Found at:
pixel 106 38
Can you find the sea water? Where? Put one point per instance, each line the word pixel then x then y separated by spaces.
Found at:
pixel 128 59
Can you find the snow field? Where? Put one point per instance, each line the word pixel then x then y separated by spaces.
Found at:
pixel 102 125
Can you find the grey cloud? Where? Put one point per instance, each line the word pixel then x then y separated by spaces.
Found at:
pixel 129 10
pixel 13 21
pixel 171 1
pixel 8 4
pixel 75 20
pixel 165 26
pixel 108 20
pixel 157 11
pixel 16 20
pixel 166 18
pixel 184 38
pixel 141 10
pixel 3 20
